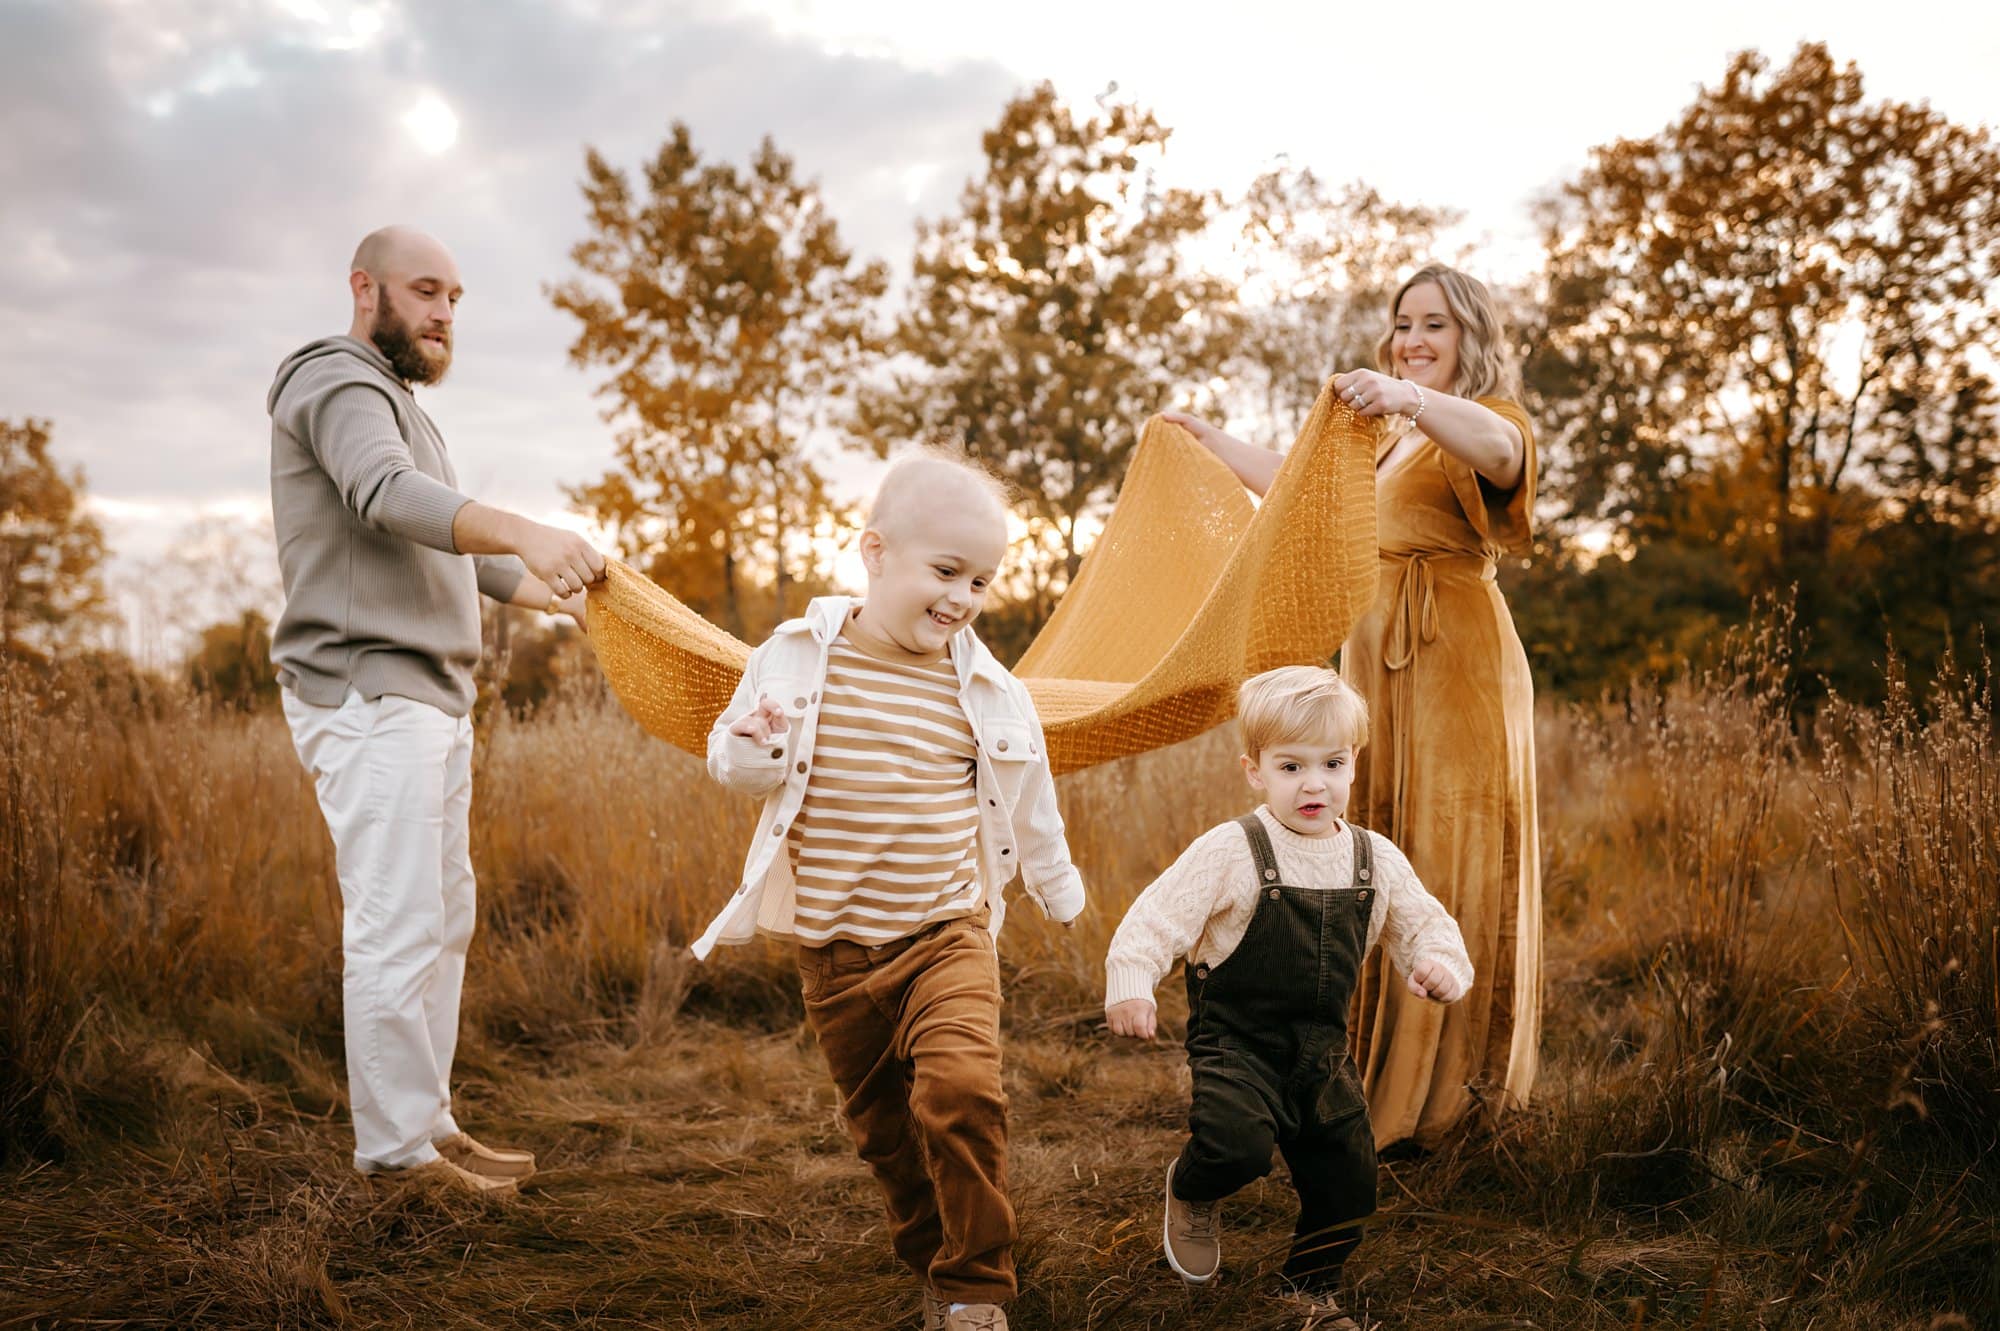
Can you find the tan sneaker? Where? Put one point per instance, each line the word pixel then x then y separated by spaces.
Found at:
pixel 486 1161
pixel 445 1176
pixel 976 1317
pixel 935 1310
pixel 1193 1236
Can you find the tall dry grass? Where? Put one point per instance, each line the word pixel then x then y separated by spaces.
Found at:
pixel 1768 1088
pixel 1907 807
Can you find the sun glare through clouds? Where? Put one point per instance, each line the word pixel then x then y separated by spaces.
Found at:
pixel 431 124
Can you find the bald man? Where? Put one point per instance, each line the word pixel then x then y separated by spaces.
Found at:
pixel 384 562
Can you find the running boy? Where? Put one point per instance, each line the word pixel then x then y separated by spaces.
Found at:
pixel 1274 913
pixel 905 782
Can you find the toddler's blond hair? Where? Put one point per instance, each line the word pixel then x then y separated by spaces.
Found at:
pixel 1303 703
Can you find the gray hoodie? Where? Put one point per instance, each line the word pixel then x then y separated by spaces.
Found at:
pixel 363 495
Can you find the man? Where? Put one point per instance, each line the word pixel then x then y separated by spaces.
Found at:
pixel 383 562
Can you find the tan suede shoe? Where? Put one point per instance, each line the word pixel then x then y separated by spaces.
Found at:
pixel 935 1310
pixel 1192 1237
pixel 486 1161
pixel 976 1317
pixel 445 1176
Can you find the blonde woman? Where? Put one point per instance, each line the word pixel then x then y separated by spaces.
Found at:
pixel 1452 779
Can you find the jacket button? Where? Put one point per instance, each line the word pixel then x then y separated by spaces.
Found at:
pixel 779 753
pixel 1001 747
pixel 993 804
pixel 1269 874
pixel 799 703
pixel 777 829
pixel 1006 850
pixel 802 767
pixel 1201 972
pixel 1275 894
pixel 1364 875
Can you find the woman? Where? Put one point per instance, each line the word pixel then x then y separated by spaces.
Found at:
pixel 1450 776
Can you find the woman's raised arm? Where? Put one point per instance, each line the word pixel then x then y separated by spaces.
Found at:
pixel 1255 467
pixel 1479 438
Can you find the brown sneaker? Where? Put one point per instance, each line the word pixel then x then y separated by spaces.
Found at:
pixel 935 1310
pixel 1193 1237
pixel 445 1176
pixel 976 1317
pixel 486 1161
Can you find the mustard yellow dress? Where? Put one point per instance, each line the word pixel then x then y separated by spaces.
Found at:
pixel 1449 775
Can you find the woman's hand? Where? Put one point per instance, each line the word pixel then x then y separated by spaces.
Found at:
pixel 1208 436
pixel 573 606
pixel 1133 1017
pixel 1372 393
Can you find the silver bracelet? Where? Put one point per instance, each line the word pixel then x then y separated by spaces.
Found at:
pixel 1422 402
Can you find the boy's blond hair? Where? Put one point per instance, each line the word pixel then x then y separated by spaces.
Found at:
pixel 1303 703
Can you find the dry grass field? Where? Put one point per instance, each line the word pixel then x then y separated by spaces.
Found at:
pixel 1770 1090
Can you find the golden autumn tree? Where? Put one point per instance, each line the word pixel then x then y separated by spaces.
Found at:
pixel 1053 312
pixel 1768 342
pixel 50 548
pixel 729 320
pixel 1319 265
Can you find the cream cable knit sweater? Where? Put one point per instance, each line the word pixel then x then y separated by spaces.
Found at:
pixel 1201 906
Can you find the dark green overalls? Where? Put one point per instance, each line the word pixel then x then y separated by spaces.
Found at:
pixel 1267 1043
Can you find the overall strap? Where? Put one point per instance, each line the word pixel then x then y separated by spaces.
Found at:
pixel 1260 847
pixel 1364 857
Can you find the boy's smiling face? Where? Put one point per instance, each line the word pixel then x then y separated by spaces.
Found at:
pixel 1306 782
pixel 929 572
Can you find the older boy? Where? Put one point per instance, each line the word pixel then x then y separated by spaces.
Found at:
pixel 1274 913
pixel 905 783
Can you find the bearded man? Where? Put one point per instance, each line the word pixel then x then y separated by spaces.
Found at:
pixel 383 562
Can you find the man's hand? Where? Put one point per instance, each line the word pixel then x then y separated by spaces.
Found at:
pixel 560 558
pixel 1430 979
pixel 761 722
pixel 1135 1017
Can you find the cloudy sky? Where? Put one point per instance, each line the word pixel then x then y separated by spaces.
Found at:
pixel 182 181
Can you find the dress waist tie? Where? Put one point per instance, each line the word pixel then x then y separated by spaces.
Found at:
pixel 1413 622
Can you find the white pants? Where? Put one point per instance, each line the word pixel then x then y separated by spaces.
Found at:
pixel 394 778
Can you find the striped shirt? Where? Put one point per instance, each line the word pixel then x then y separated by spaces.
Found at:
pixel 885 841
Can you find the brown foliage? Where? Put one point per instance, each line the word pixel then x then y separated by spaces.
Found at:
pixel 1050 316
pixel 1320 267
pixel 50 548
pixel 729 319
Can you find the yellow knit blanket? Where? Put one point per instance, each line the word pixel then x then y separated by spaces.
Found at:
pixel 1190 590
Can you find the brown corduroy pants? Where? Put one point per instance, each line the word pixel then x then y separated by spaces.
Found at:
pixel 911 1031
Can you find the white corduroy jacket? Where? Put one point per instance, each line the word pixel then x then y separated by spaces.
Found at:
pixel 1020 828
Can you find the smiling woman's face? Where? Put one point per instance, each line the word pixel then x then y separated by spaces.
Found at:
pixel 1424 346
